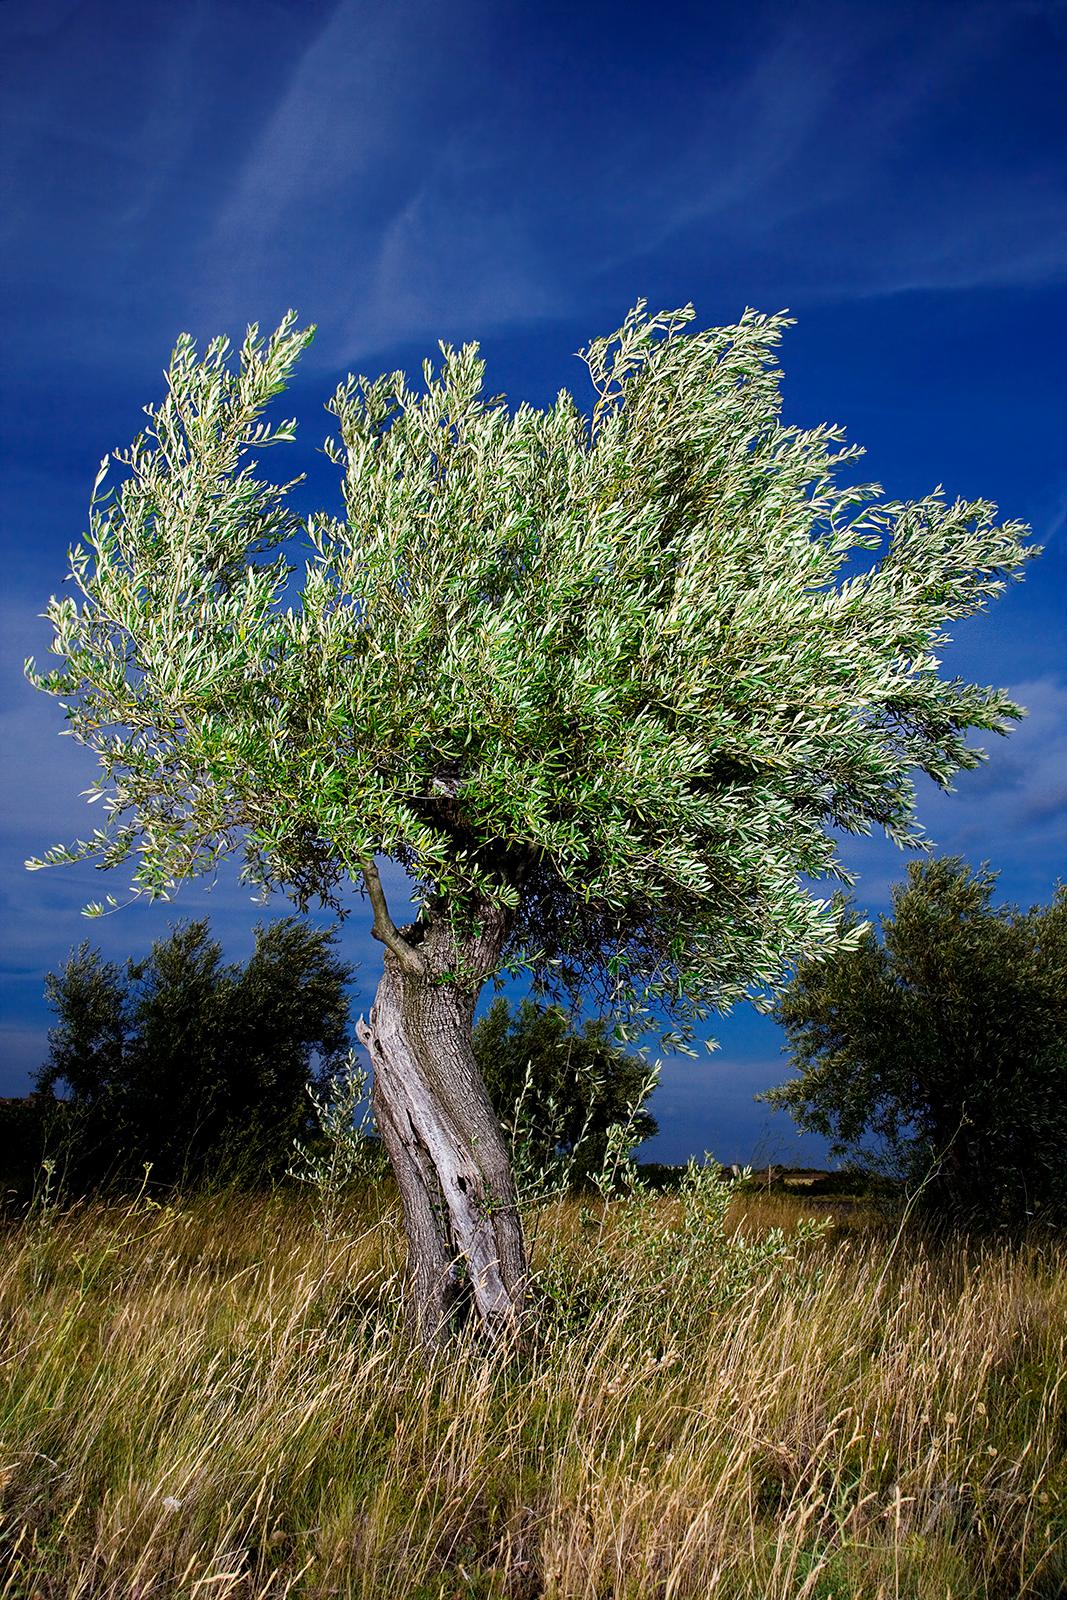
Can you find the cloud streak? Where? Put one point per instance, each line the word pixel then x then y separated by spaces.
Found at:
pixel 403 172
pixel 804 173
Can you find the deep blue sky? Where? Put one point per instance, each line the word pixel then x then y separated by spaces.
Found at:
pixel 520 173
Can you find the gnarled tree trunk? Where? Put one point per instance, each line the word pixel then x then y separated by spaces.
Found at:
pixel 465 1248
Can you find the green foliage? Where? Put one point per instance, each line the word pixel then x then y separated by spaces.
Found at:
pixel 677 1257
pixel 945 1042
pixel 629 676
pixel 558 1090
pixel 194 1066
pixel 343 1148
pixel 717 1263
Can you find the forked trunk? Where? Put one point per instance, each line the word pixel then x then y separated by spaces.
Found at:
pixel 465 1247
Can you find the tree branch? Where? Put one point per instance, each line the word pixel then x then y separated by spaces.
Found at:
pixel 384 929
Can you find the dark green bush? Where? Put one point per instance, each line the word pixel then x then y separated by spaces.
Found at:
pixel 943 1045
pixel 558 1089
pixel 194 1065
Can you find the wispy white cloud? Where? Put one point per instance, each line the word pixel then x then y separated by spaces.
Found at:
pixel 444 266
pixel 1025 778
pixel 333 124
pixel 796 175
pixel 369 196
pixel 399 173
pixel 787 172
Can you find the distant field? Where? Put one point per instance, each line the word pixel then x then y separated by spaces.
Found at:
pixel 203 1402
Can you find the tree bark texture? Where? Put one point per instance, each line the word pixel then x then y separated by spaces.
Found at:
pixel 466 1255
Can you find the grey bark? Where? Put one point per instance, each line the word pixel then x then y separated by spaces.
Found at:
pixel 466 1255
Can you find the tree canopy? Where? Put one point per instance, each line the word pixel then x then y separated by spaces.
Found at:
pixel 942 1046
pixel 627 675
pixel 198 1066
pixel 558 1088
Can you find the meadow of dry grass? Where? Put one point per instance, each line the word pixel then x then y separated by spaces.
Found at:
pixel 201 1401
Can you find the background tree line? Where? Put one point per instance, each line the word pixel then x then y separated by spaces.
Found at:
pixel 188 1062
pixel 934 1049
pixel 202 1067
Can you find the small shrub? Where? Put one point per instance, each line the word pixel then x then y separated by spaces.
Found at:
pixel 345 1151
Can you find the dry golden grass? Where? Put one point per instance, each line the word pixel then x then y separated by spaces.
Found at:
pixel 197 1403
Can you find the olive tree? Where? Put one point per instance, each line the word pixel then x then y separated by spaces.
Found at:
pixel 607 686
